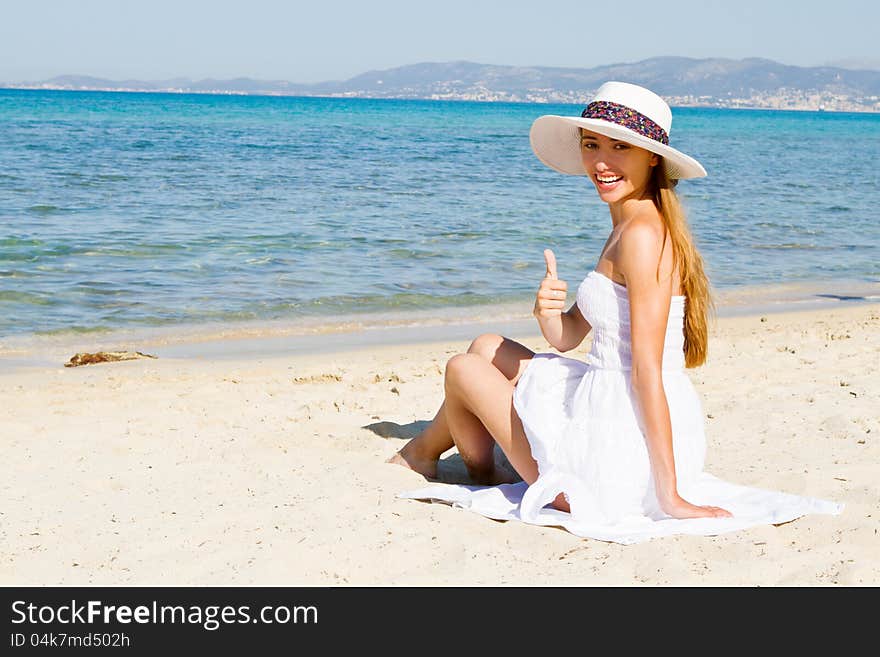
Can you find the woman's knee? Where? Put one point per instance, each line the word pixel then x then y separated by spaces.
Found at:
pixel 486 345
pixel 459 367
pixel 508 356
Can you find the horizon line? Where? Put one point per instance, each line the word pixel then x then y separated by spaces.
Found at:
pixel 876 69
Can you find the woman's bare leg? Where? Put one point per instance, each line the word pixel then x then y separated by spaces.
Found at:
pixel 422 452
pixel 480 413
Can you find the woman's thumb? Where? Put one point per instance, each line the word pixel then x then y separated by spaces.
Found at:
pixel 550 259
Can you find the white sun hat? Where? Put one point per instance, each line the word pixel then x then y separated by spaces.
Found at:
pixel 622 111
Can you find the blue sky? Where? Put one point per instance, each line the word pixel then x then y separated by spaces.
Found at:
pixel 314 40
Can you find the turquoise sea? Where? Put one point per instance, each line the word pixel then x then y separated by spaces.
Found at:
pixel 128 210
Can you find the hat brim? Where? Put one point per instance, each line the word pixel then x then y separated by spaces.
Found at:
pixel 556 142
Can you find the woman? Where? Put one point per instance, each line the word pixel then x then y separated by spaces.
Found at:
pixel 612 447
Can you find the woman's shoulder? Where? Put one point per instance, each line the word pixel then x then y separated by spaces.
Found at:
pixel 642 236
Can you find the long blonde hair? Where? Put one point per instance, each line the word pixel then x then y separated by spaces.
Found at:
pixel 694 282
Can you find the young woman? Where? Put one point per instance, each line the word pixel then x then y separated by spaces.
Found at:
pixel 612 447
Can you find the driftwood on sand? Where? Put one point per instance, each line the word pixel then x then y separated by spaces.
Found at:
pixel 85 358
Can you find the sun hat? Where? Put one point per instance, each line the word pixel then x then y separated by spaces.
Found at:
pixel 622 111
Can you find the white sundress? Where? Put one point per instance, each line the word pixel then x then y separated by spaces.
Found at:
pixel 583 430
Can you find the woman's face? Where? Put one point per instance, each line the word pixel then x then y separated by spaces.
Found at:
pixel 618 170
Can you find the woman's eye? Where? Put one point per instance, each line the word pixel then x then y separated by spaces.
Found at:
pixel 621 146
pixel 587 144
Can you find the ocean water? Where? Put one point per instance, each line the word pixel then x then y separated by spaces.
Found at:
pixel 125 210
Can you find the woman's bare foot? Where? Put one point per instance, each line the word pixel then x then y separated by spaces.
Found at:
pixel 409 457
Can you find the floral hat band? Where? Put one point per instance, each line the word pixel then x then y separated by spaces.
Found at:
pixel 626 117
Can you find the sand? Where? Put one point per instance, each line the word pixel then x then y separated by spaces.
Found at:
pixel 269 469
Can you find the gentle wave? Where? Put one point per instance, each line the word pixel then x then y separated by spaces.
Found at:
pixel 808 247
pixel 25 298
pixel 46 209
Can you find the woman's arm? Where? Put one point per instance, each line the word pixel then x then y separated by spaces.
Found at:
pixel 639 251
pixel 565 331
pixel 575 328
pixel 562 330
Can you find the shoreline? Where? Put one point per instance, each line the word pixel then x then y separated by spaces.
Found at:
pixel 359 331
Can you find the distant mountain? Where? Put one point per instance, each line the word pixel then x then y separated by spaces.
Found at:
pixel 676 76
pixel 749 82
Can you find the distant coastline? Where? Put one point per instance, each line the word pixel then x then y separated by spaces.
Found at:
pixel 683 82
pixel 761 103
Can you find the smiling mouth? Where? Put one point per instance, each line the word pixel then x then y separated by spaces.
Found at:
pixel 608 180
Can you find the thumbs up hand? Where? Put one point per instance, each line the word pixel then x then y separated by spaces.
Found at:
pixel 551 295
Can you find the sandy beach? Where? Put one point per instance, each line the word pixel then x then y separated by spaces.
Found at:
pixel 268 468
